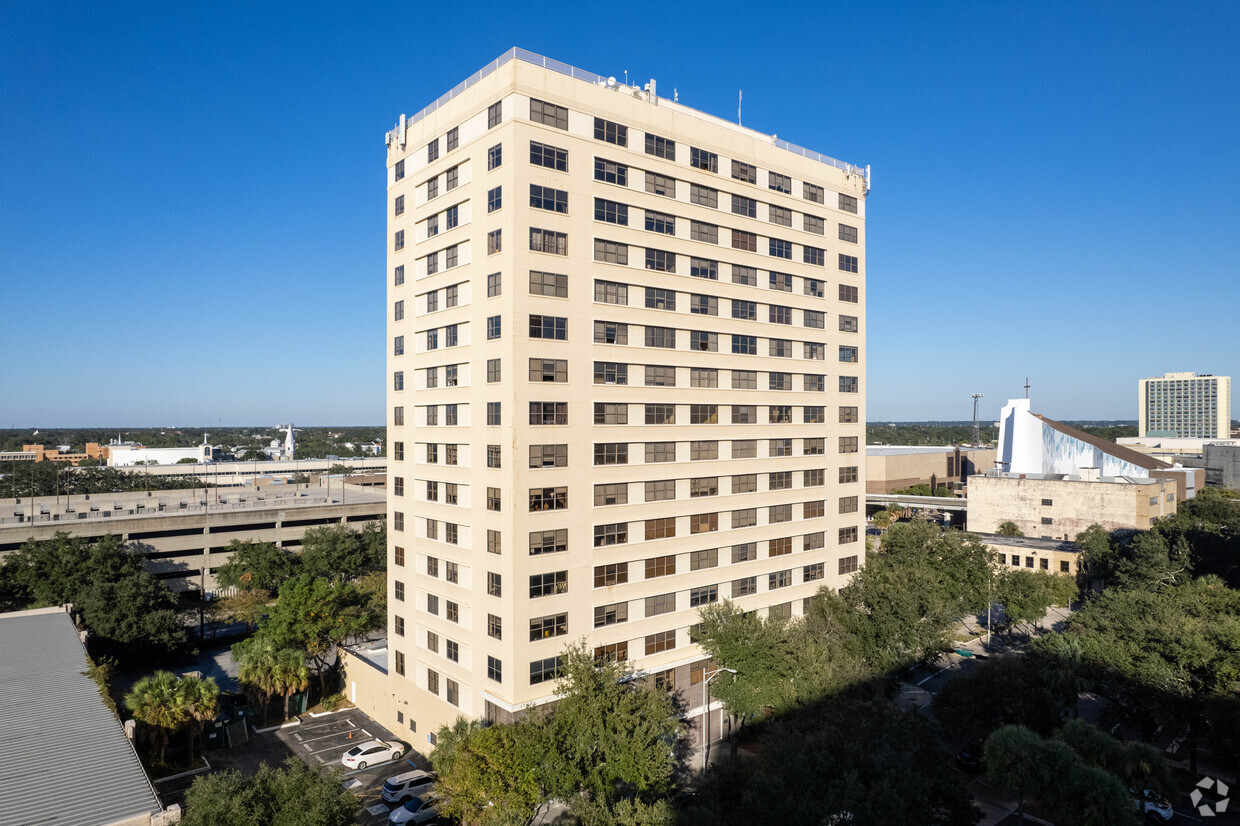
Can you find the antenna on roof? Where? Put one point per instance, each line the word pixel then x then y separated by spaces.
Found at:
pixel 976 427
pixel 740 94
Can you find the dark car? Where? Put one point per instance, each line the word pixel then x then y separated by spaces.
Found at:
pixel 970 758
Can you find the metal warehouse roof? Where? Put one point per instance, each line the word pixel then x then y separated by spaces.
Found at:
pixel 64 757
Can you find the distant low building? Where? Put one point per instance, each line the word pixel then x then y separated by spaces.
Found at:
pixel 1031 443
pixel 1053 481
pixel 60 453
pixel 1054 556
pixel 1060 506
pixel 896 467
pixel 133 455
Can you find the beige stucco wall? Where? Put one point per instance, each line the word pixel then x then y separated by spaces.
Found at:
pixel 515 83
pixel 885 472
pixel 1075 505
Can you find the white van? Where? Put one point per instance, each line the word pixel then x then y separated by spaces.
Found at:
pixel 402 787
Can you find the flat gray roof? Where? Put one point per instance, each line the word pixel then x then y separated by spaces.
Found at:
pixel 897 450
pixel 64 757
pixel 1031 542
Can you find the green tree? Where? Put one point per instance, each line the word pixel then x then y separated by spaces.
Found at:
pixel 1027 595
pixel 136 614
pixel 339 553
pixel 200 700
pixel 257 565
pixel 1063 657
pixel 1009 529
pixel 1097 554
pixel 156 702
pixel 256 665
pixel 289 674
pixel 246 606
pixel 998 692
pixel 612 735
pixel 489 775
pixel 126 609
pixel 53 571
pixel 1097 798
pixel 292 795
pixel 1012 756
pixel 372 588
pixel 316 615
pixel 902 607
pixel 780 663
pixel 838 761
pixel 1168 650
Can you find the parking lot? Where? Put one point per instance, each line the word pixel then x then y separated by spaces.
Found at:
pixel 321 741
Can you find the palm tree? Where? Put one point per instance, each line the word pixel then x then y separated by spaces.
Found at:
pixel 201 700
pixel 1012 756
pixel 1068 673
pixel 255 665
pixel 1009 529
pixel 156 702
pixel 290 674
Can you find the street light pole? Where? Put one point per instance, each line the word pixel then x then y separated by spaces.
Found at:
pixel 990 575
pixel 706 710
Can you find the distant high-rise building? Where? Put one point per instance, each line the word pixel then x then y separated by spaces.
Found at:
pixel 1185 405
pixel 626 373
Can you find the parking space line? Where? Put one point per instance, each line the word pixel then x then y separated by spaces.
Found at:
pixel 327 748
pixel 335 725
pixel 325 736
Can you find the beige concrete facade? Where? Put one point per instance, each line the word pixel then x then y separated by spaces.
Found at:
pixel 1185 405
pixel 186 531
pixel 1060 507
pixel 893 467
pixel 1050 555
pixel 708 484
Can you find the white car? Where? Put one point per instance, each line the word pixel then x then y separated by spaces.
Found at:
pixel 1151 802
pixel 400 787
pixel 370 753
pixel 417 810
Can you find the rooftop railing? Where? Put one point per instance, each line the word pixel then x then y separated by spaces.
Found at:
pixel 526 56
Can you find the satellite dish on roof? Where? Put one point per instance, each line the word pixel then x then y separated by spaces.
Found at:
pixel 611 82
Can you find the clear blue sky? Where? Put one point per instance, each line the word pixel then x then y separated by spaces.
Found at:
pixel 192 195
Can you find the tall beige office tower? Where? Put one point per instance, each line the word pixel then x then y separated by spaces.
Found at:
pixel 626 378
pixel 1185 405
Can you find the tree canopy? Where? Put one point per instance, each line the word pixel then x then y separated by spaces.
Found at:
pixel 900 608
pixel 333 552
pixel 293 795
pixel 1081 777
pixel 606 748
pixel 859 762
pixel 128 611
pixel 315 615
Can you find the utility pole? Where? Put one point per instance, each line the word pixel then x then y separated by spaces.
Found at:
pixel 976 426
